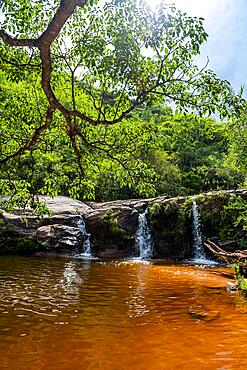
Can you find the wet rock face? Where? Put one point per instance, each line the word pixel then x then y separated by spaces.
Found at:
pixel 112 231
pixel 101 222
pixel 112 226
pixel 24 232
pixel 172 234
pixel 59 237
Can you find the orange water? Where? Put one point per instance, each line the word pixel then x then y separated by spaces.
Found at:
pixel 69 314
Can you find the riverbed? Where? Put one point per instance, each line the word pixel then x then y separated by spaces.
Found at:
pixel 59 313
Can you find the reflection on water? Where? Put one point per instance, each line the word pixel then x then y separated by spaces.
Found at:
pixel 71 314
pixel 71 281
pixel 136 301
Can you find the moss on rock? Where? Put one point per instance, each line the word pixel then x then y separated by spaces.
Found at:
pixel 170 226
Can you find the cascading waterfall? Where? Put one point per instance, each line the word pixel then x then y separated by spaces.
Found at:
pixel 199 255
pixel 198 250
pixel 143 239
pixel 86 247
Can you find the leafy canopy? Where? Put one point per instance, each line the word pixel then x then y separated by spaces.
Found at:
pixel 71 69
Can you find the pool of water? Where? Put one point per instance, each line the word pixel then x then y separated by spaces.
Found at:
pixel 57 313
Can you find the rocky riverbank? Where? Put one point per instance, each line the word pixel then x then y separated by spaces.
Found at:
pixel 113 225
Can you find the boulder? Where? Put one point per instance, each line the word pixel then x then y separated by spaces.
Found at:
pixel 21 225
pixel 59 237
pixel 112 231
pixel 112 225
pixel 65 205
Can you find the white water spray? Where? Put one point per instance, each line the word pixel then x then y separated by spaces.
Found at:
pixel 143 239
pixel 199 255
pixel 86 247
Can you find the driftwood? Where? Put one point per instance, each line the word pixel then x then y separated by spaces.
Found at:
pixel 224 255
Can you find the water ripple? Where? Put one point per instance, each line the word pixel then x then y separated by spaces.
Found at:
pixel 80 314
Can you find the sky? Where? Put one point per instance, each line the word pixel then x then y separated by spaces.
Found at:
pixel 226 24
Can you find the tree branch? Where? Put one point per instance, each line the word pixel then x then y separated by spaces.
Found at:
pixel 72 136
pixel 34 138
pixel 65 10
pixel 17 42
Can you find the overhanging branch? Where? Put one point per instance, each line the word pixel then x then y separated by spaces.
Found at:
pixel 36 135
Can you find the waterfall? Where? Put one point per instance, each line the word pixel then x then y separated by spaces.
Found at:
pixel 143 239
pixel 199 254
pixel 86 246
pixel 198 249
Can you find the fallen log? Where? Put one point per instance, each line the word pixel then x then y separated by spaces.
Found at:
pixel 224 255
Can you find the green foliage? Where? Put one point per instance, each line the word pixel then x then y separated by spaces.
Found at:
pixel 242 281
pixel 20 246
pixel 130 53
pixel 154 209
pixel 162 208
pixel 137 158
pixel 12 203
pixel 242 284
pixel 167 174
pixel 110 218
pixel 234 220
pixel 40 209
pixel 225 216
pixel 237 209
pixel 170 222
pixel 237 134
pixel 163 218
pixel 118 64
pixel 199 147
pixel 184 216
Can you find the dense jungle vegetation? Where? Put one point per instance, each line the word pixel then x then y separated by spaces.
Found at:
pixel 85 104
